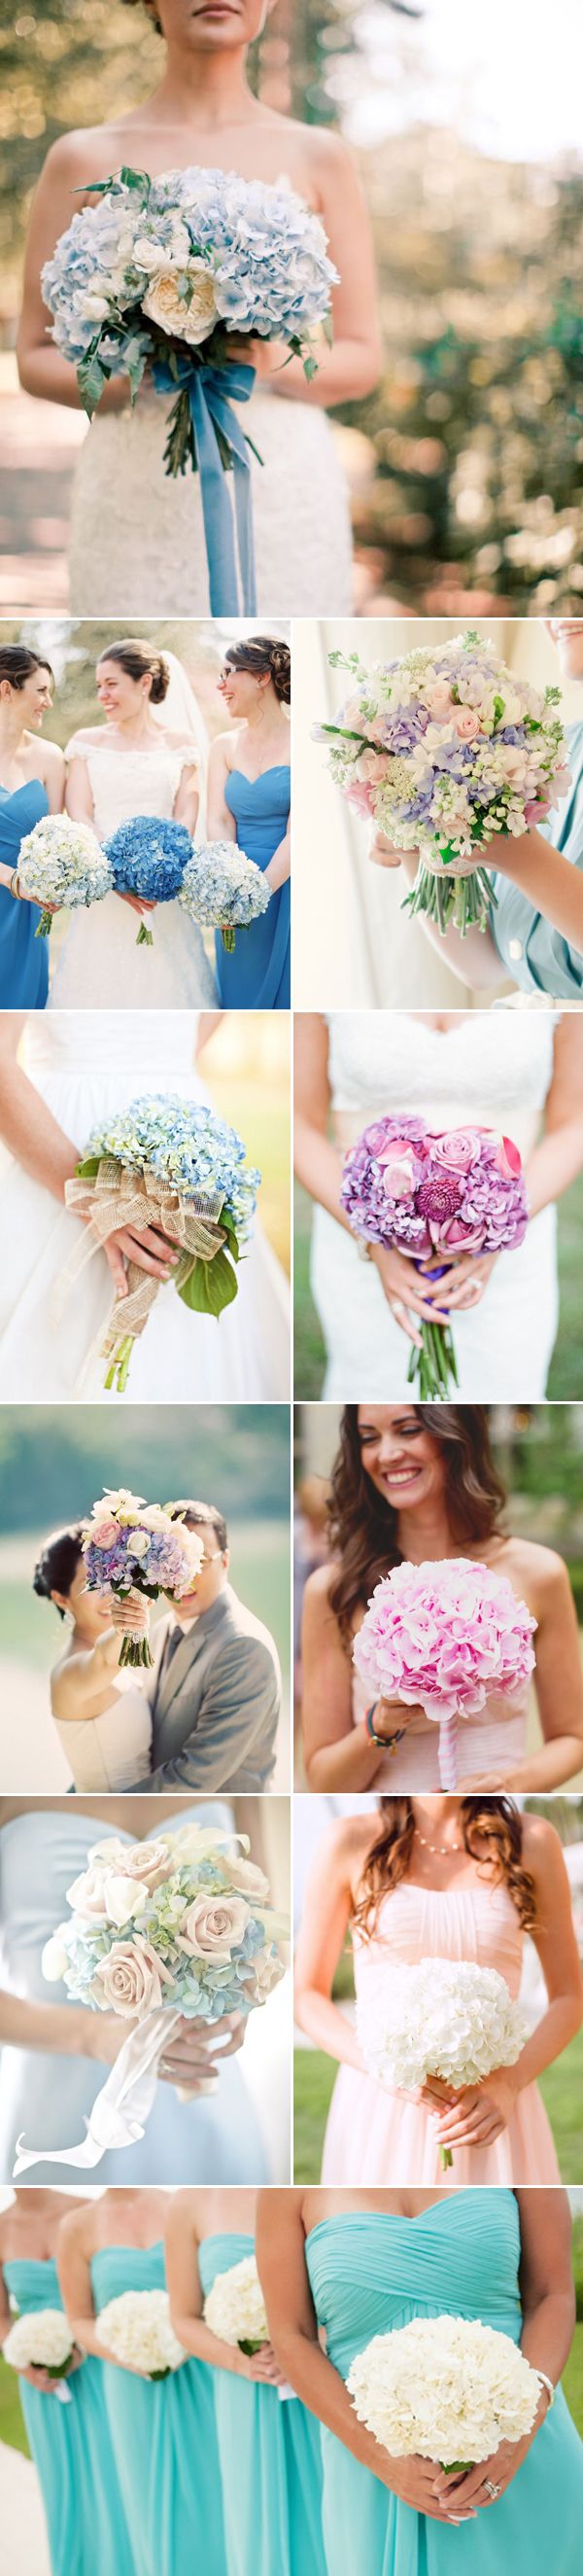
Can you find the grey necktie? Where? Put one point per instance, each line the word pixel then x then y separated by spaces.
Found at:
pixel 173 1641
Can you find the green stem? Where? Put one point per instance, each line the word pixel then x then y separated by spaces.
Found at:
pixel 44 926
pixel 228 937
pixel 445 2158
pixel 145 940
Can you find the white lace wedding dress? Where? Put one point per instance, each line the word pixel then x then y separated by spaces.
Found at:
pixel 86 1065
pixel 137 541
pixel 100 965
pixel 488 1069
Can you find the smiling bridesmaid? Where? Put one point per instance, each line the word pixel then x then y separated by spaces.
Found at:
pixel 32 777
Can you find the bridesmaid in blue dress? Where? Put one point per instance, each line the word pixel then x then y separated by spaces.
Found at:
pixel 249 787
pixel 171 2490
pixel 70 2443
pixel 31 784
pixel 356 2266
pixel 269 2447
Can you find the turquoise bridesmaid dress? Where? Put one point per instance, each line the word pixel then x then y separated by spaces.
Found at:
pixel 24 959
pixel 370 2273
pixel 271 2460
pixel 170 2484
pixel 256 977
pixel 534 954
pixel 72 2452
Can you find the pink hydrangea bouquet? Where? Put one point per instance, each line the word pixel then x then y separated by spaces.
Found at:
pixel 434 1198
pixel 444 749
pixel 445 1636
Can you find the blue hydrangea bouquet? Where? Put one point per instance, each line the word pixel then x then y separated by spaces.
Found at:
pixel 172 1164
pixel 61 864
pixel 223 890
pixel 165 274
pixel 148 857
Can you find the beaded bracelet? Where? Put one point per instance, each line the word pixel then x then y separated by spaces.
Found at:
pixel 386 1743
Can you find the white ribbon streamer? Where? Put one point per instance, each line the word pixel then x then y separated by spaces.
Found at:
pixel 121 2109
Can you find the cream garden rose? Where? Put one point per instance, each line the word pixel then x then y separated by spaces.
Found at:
pixel 214 1926
pixel 189 318
pixel 149 1863
pixel 131 1980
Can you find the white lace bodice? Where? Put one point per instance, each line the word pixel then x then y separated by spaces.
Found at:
pixel 152 1047
pixel 142 780
pixel 495 1071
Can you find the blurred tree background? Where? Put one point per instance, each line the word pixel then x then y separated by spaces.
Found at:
pixel 465 466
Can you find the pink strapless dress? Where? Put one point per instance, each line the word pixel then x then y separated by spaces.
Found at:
pixel 374 2136
pixel 494 1741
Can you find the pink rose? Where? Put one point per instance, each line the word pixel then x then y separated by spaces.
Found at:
pixel 130 1981
pixel 213 1927
pixel 466 723
pixel 439 700
pixel 398 1177
pixel 87 1895
pixel 360 797
pixel 537 810
pixel 352 717
pixel 150 1863
pixel 373 765
pixel 456 1152
pixel 457 1238
pixel 104 1534
pixel 508 1159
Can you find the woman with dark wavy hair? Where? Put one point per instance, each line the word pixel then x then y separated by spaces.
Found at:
pixel 443 1879
pixel 414 1482
pixel 249 802
pixel 32 778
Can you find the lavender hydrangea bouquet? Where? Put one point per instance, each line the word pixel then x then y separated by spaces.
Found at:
pixel 173 1164
pixel 434 1198
pixel 133 1546
pixel 148 857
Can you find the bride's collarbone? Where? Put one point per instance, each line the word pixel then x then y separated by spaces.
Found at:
pixel 276 152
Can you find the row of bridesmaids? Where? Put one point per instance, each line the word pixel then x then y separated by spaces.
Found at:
pixel 212 2464
pixel 149 757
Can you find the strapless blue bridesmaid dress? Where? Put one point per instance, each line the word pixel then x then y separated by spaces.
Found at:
pixel 370 2273
pixel 72 2452
pixel 271 2461
pixel 256 977
pixel 171 2487
pixel 532 951
pixel 24 959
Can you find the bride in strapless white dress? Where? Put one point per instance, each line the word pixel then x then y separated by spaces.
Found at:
pixel 113 1751
pixel 100 965
pixel 493 1071
pixel 85 1066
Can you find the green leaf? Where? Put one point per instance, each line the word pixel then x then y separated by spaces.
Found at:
pixel 210 1286
pixel 310 369
pixel 88 1170
pixel 499 704
pixel 91 378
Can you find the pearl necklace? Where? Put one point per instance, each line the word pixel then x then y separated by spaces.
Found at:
pixel 444 1850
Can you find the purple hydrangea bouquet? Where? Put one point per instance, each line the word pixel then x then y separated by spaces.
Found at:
pixel 131 1546
pixel 434 1198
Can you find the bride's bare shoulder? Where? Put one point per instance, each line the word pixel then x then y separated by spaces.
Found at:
pixel 87 153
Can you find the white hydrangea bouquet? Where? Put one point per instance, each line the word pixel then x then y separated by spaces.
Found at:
pixel 235 2310
pixel 41 2340
pixel 445 748
pixel 160 274
pixel 445 2017
pixel 159 1931
pixel 60 865
pixel 445 2388
pixel 223 890
pixel 136 2331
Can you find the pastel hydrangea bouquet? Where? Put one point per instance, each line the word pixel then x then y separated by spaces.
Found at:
pixel 445 748
pixel 235 2310
pixel 137 2331
pixel 61 864
pixel 148 857
pixel 223 890
pixel 41 2339
pixel 174 1928
pixel 446 1637
pixel 445 2388
pixel 447 2017
pixel 161 274
pixel 173 1164
pixel 131 1546
pixel 434 1197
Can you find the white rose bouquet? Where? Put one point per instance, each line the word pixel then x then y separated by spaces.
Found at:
pixel 160 1931
pixel 136 2331
pixel 41 2340
pixel 235 2310
pixel 447 2017
pixel 444 2388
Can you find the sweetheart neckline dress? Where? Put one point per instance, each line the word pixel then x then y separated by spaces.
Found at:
pixel 170 2484
pixel 377 2136
pixel 269 2450
pixel 24 966
pixel 71 2450
pixel 257 974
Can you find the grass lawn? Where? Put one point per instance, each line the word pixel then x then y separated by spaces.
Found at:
pixel 11 2419
pixel 561 2088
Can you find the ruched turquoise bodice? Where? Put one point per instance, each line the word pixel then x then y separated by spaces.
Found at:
pixel 270 2456
pixel 24 971
pixel 256 977
pixel 86 2525
pixel 370 2273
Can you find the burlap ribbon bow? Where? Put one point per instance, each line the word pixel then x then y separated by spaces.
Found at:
pixel 118 1198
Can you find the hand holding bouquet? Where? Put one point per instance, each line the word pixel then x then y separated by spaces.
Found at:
pixel 223 890
pixel 148 857
pixel 61 864
pixel 445 749
pixel 41 2340
pixel 136 2332
pixel 235 2310
pixel 434 1198
pixel 131 1546
pixel 447 2017
pixel 174 1164
pixel 446 2389
pixel 447 1636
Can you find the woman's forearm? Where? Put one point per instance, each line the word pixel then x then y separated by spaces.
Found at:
pixel 559 2025
pixel 327 2026
pixel 318 1166
pixel 323 2391
pixel 51 378
pixel 557 1760
pixel 344 373
pixel 198 2339
pixel 351 1761
pixel 31 1133
pixel 474 960
pixel 62 2030
pixel 554 1164
pixel 79 1686
pixel 553 885
pixel 547 2333
pixel 280 865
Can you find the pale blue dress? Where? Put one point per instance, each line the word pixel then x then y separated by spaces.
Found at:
pixel 71 2450
pixel 270 2454
pixel 256 976
pixel 47 2099
pixel 24 959
pixel 534 954
pixel 370 2273
pixel 163 2440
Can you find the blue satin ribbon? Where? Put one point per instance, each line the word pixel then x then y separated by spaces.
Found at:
pixel 210 404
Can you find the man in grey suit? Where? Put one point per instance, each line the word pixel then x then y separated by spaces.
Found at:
pixel 215 1686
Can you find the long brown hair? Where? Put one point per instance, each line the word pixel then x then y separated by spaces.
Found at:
pixel 363 1527
pixel 496 1821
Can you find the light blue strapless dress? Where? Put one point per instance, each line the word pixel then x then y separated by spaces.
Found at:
pixel 213 2139
pixel 536 955
pixel 24 959
pixel 256 977
pixel 72 2452
pixel 163 2437
pixel 271 2460
pixel 370 2273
